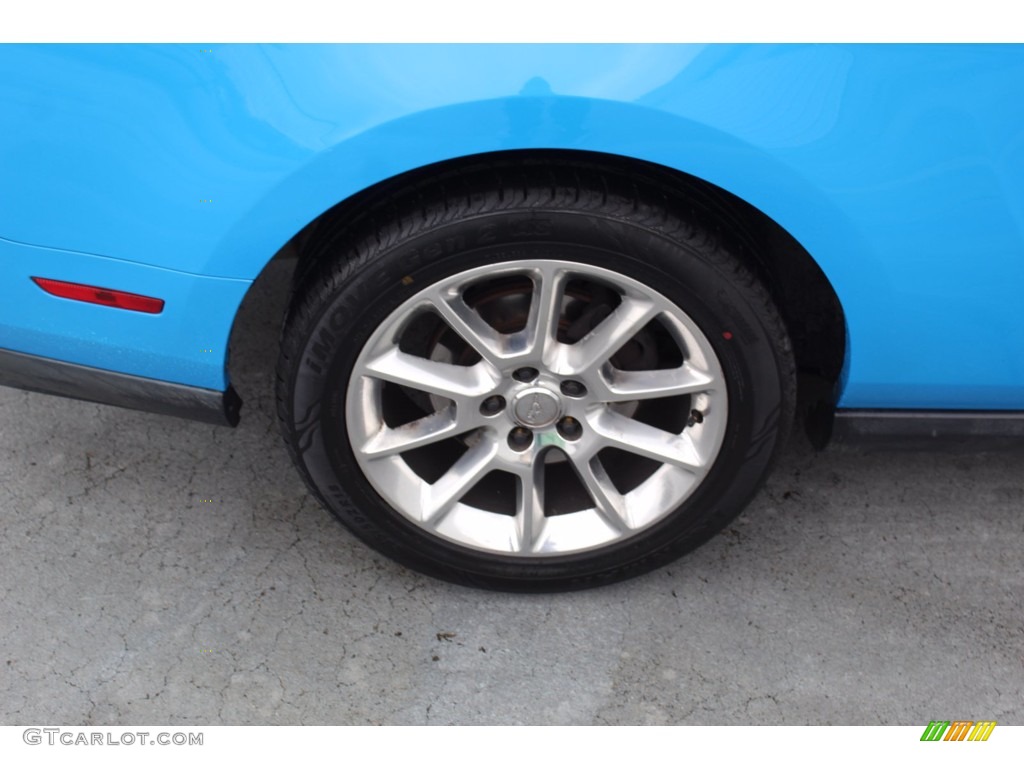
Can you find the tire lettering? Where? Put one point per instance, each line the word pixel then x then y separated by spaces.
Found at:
pixel 337 320
pixel 321 347
pixel 488 234
pixel 532 228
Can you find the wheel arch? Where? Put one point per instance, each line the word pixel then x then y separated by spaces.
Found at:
pixel 805 296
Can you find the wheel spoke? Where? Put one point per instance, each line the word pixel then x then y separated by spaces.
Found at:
pixel 530 505
pixel 445 379
pixel 389 441
pixel 618 431
pixel 607 338
pixel 439 498
pixel 608 502
pixel 545 307
pixel 470 327
pixel 624 386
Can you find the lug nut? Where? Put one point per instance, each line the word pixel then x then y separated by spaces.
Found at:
pixel 524 374
pixel 573 388
pixel 520 438
pixel 492 405
pixel 570 429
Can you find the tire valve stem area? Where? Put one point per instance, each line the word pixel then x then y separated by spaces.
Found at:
pixel 696 417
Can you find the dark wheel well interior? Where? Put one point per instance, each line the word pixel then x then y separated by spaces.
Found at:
pixel 805 298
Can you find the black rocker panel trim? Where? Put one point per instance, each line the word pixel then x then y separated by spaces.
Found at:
pixel 54 377
pixel 978 429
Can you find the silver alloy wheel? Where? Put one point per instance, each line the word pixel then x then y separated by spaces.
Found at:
pixel 528 401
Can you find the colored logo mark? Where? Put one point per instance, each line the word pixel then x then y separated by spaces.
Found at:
pixel 958 730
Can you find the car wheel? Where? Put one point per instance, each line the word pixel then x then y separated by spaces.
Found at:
pixel 531 384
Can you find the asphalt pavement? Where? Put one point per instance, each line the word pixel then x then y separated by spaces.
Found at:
pixel 155 570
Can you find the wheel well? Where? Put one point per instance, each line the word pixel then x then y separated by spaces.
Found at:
pixel 801 291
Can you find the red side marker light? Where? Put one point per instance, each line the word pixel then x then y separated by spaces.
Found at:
pixel 105 296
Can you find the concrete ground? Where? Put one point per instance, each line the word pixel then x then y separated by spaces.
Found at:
pixel 155 570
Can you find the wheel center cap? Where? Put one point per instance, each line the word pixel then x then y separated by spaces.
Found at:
pixel 537 407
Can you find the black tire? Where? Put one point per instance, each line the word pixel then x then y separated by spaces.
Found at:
pixel 364 274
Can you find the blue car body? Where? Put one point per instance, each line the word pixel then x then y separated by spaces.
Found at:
pixel 178 171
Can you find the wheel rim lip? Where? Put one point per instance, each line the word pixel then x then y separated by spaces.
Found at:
pixel 490 532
